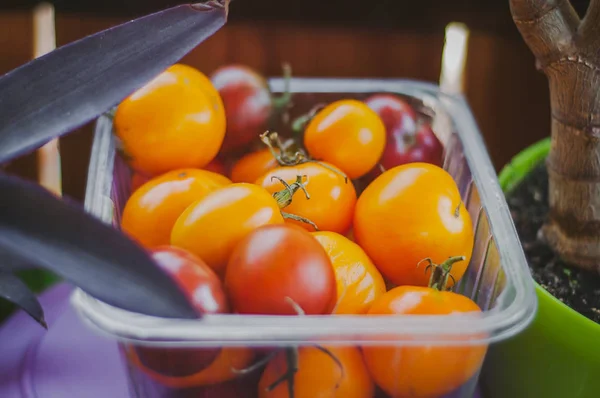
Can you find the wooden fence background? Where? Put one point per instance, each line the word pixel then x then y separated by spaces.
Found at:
pixel 508 96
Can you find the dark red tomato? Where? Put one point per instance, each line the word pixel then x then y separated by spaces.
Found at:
pixel 205 290
pixel 217 166
pixel 407 141
pixel 397 115
pixel 176 362
pixel 197 279
pixel 239 387
pixel 276 263
pixel 248 104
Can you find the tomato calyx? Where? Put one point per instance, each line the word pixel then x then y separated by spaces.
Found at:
pixel 285 196
pixel 292 356
pixel 283 102
pixel 288 154
pixel 441 272
pixel 300 123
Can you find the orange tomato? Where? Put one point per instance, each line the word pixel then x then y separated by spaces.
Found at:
pixel 151 211
pixel 359 283
pixel 212 226
pixel 347 134
pixel 222 369
pixel 423 371
pixel 251 166
pixel 410 213
pixel 332 199
pixel 319 375
pixel 175 121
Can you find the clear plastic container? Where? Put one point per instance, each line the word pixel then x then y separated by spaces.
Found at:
pixel 497 279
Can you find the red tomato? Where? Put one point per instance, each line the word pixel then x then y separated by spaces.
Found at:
pixel 276 263
pixel 205 291
pixel 197 279
pixel 347 134
pixel 423 371
pixel 137 180
pixel 332 198
pixel 240 387
pixel 396 114
pixel 406 140
pixel 421 146
pixel 248 104
pixel 216 166
pixel 222 369
pixel 410 213
pixel 319 375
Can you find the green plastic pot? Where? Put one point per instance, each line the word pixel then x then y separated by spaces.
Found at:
pixel 558 356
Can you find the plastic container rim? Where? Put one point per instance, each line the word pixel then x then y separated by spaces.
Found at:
pixel 499 323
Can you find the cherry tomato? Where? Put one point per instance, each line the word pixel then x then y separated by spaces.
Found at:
pixel 205 291
pixel 420 146
pixel 350 234
pixel 248 104
pixel 222 369
pixel 253 165
pixel 422 371
pixel 197 279
pixel 320 375
pixel 347 134
pixel 175 121
pixel 151 212
pixel 359 283
pixel 276 263
pixel 410 213
pixel 216 166
pixel 240 387
pixel 332 198
pixel 137 180
pixel 212 226
pixel 397 114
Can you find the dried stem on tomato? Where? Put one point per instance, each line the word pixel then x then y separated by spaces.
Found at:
pixel 299 124
pixel 292 361
pixel 283 102
pixel 441 272
pixel 285 154
pixel 285 196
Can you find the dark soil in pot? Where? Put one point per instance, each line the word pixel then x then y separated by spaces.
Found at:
pixel 528 202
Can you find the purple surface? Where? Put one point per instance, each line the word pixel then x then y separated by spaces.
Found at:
pixel 67 361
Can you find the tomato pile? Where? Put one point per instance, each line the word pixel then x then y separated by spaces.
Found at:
pixel 349 213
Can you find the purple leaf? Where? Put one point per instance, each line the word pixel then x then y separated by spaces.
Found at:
pixel 15 291
pixel 38 228
pixel 56 93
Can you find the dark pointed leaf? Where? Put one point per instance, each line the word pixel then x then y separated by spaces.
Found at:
pixel 9 262
pixel 66 88
pixel 43 230
pixel 15 291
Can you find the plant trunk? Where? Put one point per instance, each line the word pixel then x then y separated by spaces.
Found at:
pixel 567 50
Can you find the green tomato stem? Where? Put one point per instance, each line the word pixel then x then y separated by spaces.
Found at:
pixel 441 272
pixel 281 103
